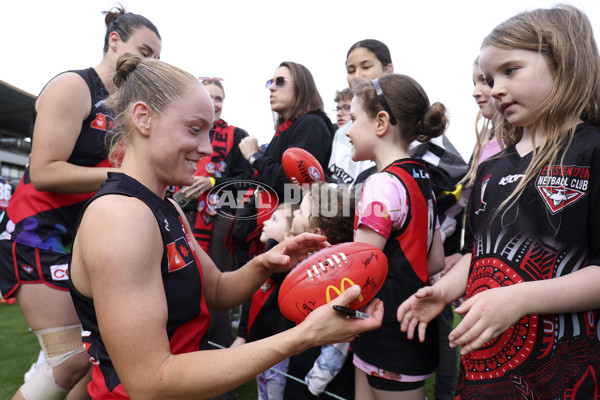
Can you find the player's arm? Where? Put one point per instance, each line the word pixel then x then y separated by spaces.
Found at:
pixel 223 291
pixel 61 108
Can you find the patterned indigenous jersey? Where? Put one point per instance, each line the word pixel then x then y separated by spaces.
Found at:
pixel 551 232
pixel 188 317
pixel 46 220
pixel 403 210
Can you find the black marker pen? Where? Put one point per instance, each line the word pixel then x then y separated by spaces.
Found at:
pixel 351 313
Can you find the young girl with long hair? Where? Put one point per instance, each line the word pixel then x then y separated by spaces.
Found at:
pixel 531 280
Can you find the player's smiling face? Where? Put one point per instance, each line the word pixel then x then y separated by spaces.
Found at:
pixel 179 137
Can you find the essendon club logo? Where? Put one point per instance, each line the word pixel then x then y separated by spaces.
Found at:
pixel 561 186
pixel 103 122
pixel 179 254
pixel 340 290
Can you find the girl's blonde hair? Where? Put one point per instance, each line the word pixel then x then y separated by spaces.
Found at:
pixel 563 35
pixel 484 132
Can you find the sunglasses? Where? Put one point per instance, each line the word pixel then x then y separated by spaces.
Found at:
pixel 208 78
pixel 279 82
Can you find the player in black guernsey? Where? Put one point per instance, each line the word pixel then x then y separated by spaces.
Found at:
pixel 68 162
pixel 530 326
pixel 139 280
pixel 182 282
pixel 396 213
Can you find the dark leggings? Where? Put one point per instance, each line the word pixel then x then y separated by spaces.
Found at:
pixel 393 386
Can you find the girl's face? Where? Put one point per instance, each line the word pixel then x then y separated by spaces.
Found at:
pixel 217 96
pixel 482 94
pixel 275 227
pixel 521 82
pixel 142 42
pixel 362 63
pixel 179 137
pixel 361 132
pixel 301 216
pixel 282 94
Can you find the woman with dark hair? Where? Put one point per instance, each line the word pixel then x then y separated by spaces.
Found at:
pixel 67 165
pixel 300 122
pixel 368 58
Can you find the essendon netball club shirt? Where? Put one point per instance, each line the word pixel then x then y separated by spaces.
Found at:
pixel 553 231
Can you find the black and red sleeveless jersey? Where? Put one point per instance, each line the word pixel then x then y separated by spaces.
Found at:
pixel 46 220
pixel 188 317
pixel 552 231
pixel 407 252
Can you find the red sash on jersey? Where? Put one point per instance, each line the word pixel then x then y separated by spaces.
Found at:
pixel 416 251
pixel 212 166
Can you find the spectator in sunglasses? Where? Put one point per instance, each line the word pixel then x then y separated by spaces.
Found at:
pixel 300 122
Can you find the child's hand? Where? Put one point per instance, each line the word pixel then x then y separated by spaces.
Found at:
pixel 419 309
pixel 291 251
pixel 488 314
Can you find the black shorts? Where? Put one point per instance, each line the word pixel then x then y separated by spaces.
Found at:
pixel 392 386
pixel 20 264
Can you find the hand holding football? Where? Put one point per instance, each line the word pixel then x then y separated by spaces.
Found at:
pixel 326 274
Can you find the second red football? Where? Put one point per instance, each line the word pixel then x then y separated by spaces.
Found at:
pixel 301 167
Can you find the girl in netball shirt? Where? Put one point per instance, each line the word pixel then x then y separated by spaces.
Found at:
pixel 530 328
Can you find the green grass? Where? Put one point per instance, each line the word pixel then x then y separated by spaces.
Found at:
pixel 19 348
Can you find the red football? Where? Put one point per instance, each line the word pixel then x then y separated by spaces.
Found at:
pixel 324 275
pixel 301 167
